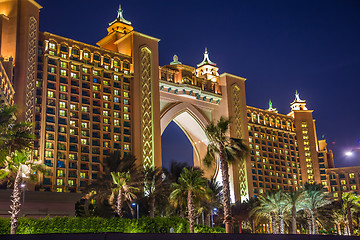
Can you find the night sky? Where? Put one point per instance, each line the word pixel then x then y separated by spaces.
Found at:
pixel 312 46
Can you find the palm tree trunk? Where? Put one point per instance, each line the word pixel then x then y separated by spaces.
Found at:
pixel 293 220
pixel 309 223
pixel 119 203
pixel 253 226
pixel 240 223
pixel 191 211
pixel 152 205
pixel 349 218
pixel 338 228
pixel 282 229
pixel 273 225
pixel 313 223
pixel 15 202
pixel 226 192
pixel 131 210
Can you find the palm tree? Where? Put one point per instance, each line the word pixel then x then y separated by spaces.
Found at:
pixel 101 189
pixel 273 205
pixel 315 199
pixel 156 186
pixel 350 201
pixel 122 190
pixel 13 135
pixel 20 164
pixel 229 150
pixel 295 200
pixel 193 184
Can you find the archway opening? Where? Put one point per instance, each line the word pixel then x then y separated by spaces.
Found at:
pixel 176 146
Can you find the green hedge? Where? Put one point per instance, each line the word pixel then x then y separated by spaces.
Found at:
pixel 97 225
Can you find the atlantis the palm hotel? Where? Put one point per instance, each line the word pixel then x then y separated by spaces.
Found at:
pixel 87 101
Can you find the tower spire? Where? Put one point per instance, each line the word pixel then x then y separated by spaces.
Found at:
pixel 120 17
pixel 298 104
pixel 271 109
pixel 206 60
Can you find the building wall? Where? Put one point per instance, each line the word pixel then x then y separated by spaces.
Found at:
pixel 84 106
pixel 346 179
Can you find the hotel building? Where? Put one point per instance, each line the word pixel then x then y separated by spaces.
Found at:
pixel 87 101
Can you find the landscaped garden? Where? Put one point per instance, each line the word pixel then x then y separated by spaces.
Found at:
pixel 127 198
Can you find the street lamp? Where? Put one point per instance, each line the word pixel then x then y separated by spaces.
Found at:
pixel 137 209
pixel 213 211
pixel 349 153
pixel 23 186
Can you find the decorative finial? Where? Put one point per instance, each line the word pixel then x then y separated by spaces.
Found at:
pixel 175 60
pixel 120 17
pixel 270 104
pixel 206 60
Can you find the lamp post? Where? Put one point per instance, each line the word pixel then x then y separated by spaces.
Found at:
pixel 213 211
pixel 137 209
pixel 23 186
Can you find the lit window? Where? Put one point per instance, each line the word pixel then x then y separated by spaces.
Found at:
pixel 96 88
pixel 73 107
pixel 62 105
pixel 60 173
pixel 82 175
pixel 59 190
pixel 72 131
pixel 106 113
pixel 303 124
pixel 116 114
pixel 106 83
pixel 71 183
pixel 106 98
pixel 85 70
pixel 126 116
pixel 96 73
pixel 116 63
pixel 86 54
pixel 106 105
pixel 50 94
pixel 344 188
pixel 62 113
pixel 59 182
pixel 126 94
pixel 116 77
pixel 63 72
pixel 116 99
pixel 343 182
pixel 106 144
pixel 48 154
pixel 63 64
pixel 336 194
pixel 62 88
pixel 52 46
pixel 63 55
pixel 73 75
pixel 84 109
pixel 74 67
pixel 126 109
pixel 116 137
pixel 72 123
pixel 71 156
pixel 126 147
pixel 49 145
pixel 84 133
pixel 116 122
pixel 353 187
pixel 351 175
pixel 116 92
pixel 106 120
pixel 84 141
pixel 84 125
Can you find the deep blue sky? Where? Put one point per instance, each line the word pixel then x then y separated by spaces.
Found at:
pixel 312 46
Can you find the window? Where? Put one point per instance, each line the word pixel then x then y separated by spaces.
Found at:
pixel 335 194
pixel 126 109
pixel 106 120
pixel 84 109
pixel 116 92
pixel 106 113
pixel 50 94
pixel 116 137
pixel 60 173
pixel 126 147
pixel 106 98
pixel 49 145
pixel 62 113
pixel 343 182
pixel 71 183
pixel 82 175
pixel 84 125
pixel 63 72
pixel 351 175
pixel 96 73
pixel 62 88
pixel 116 77
pixel 116 99
pixel 73 75
pixel 116 122
pixel 52 46
pixel 126 94
pixel 49 154
pixel 86 54
pixel 84 141
pixel 59 182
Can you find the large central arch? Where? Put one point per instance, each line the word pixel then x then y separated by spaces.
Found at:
pixel 193 123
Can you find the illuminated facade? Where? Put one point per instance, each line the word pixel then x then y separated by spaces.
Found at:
pixel 87 101
pixel 345 179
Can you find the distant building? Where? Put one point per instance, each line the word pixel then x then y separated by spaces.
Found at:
pixel 87 101
pixel 345 179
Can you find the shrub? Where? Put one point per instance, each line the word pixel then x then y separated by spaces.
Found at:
pixel 98 225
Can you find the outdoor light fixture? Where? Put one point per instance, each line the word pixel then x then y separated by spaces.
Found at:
pixel 349 153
